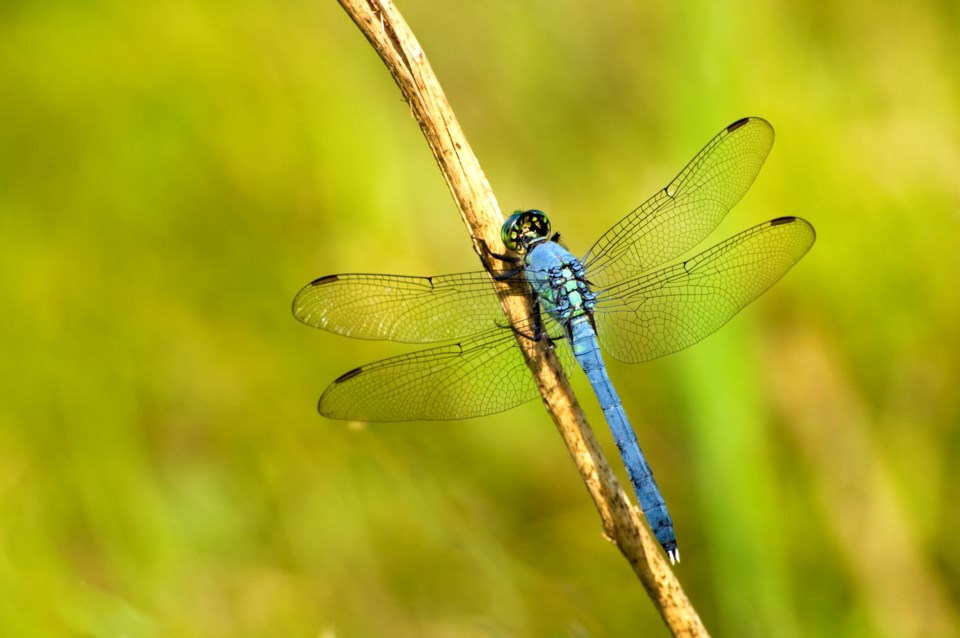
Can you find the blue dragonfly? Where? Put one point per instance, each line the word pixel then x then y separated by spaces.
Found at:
pixel 617 296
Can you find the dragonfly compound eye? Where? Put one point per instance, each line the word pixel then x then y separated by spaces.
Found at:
pixel 523 229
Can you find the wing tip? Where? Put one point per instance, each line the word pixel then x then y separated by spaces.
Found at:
pixel 790 219
pixel 326 279
pixel 299 304
pixel 787 219
pixel 752 119
pixel 346 376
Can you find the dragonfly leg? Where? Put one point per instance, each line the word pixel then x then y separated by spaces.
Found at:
pixel 538 331
pixel 510 259
pixel 506 274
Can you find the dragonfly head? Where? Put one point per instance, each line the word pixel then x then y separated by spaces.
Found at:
pixel 525 229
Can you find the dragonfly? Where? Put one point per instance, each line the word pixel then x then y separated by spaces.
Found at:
pixel 619 297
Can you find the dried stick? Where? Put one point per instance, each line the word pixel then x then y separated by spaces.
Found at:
pixel 390 36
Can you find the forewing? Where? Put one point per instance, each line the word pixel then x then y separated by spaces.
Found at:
pixel 681 215
pixel 668 310
pixel 399 308
pixel 477 376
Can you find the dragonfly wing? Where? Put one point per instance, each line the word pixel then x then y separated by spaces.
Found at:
pixel 399 308
pixel 481 375
pixel 681 215
pixel 668 310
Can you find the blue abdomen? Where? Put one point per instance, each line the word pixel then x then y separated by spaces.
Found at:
pixel 560 282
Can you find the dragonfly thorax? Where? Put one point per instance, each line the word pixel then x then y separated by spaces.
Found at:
pixel 559 281
pixel 525 229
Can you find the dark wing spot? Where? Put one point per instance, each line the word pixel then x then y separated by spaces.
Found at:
pixel 348 375
pixel 780 221
pixel 733 127
pixel 329 279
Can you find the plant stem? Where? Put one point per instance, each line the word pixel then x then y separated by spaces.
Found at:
pixel 390 36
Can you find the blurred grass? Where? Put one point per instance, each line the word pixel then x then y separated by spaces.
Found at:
pixel 171 174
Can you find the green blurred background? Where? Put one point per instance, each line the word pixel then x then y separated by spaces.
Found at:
pixel 172 172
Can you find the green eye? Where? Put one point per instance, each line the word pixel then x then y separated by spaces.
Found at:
pixel 524 229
